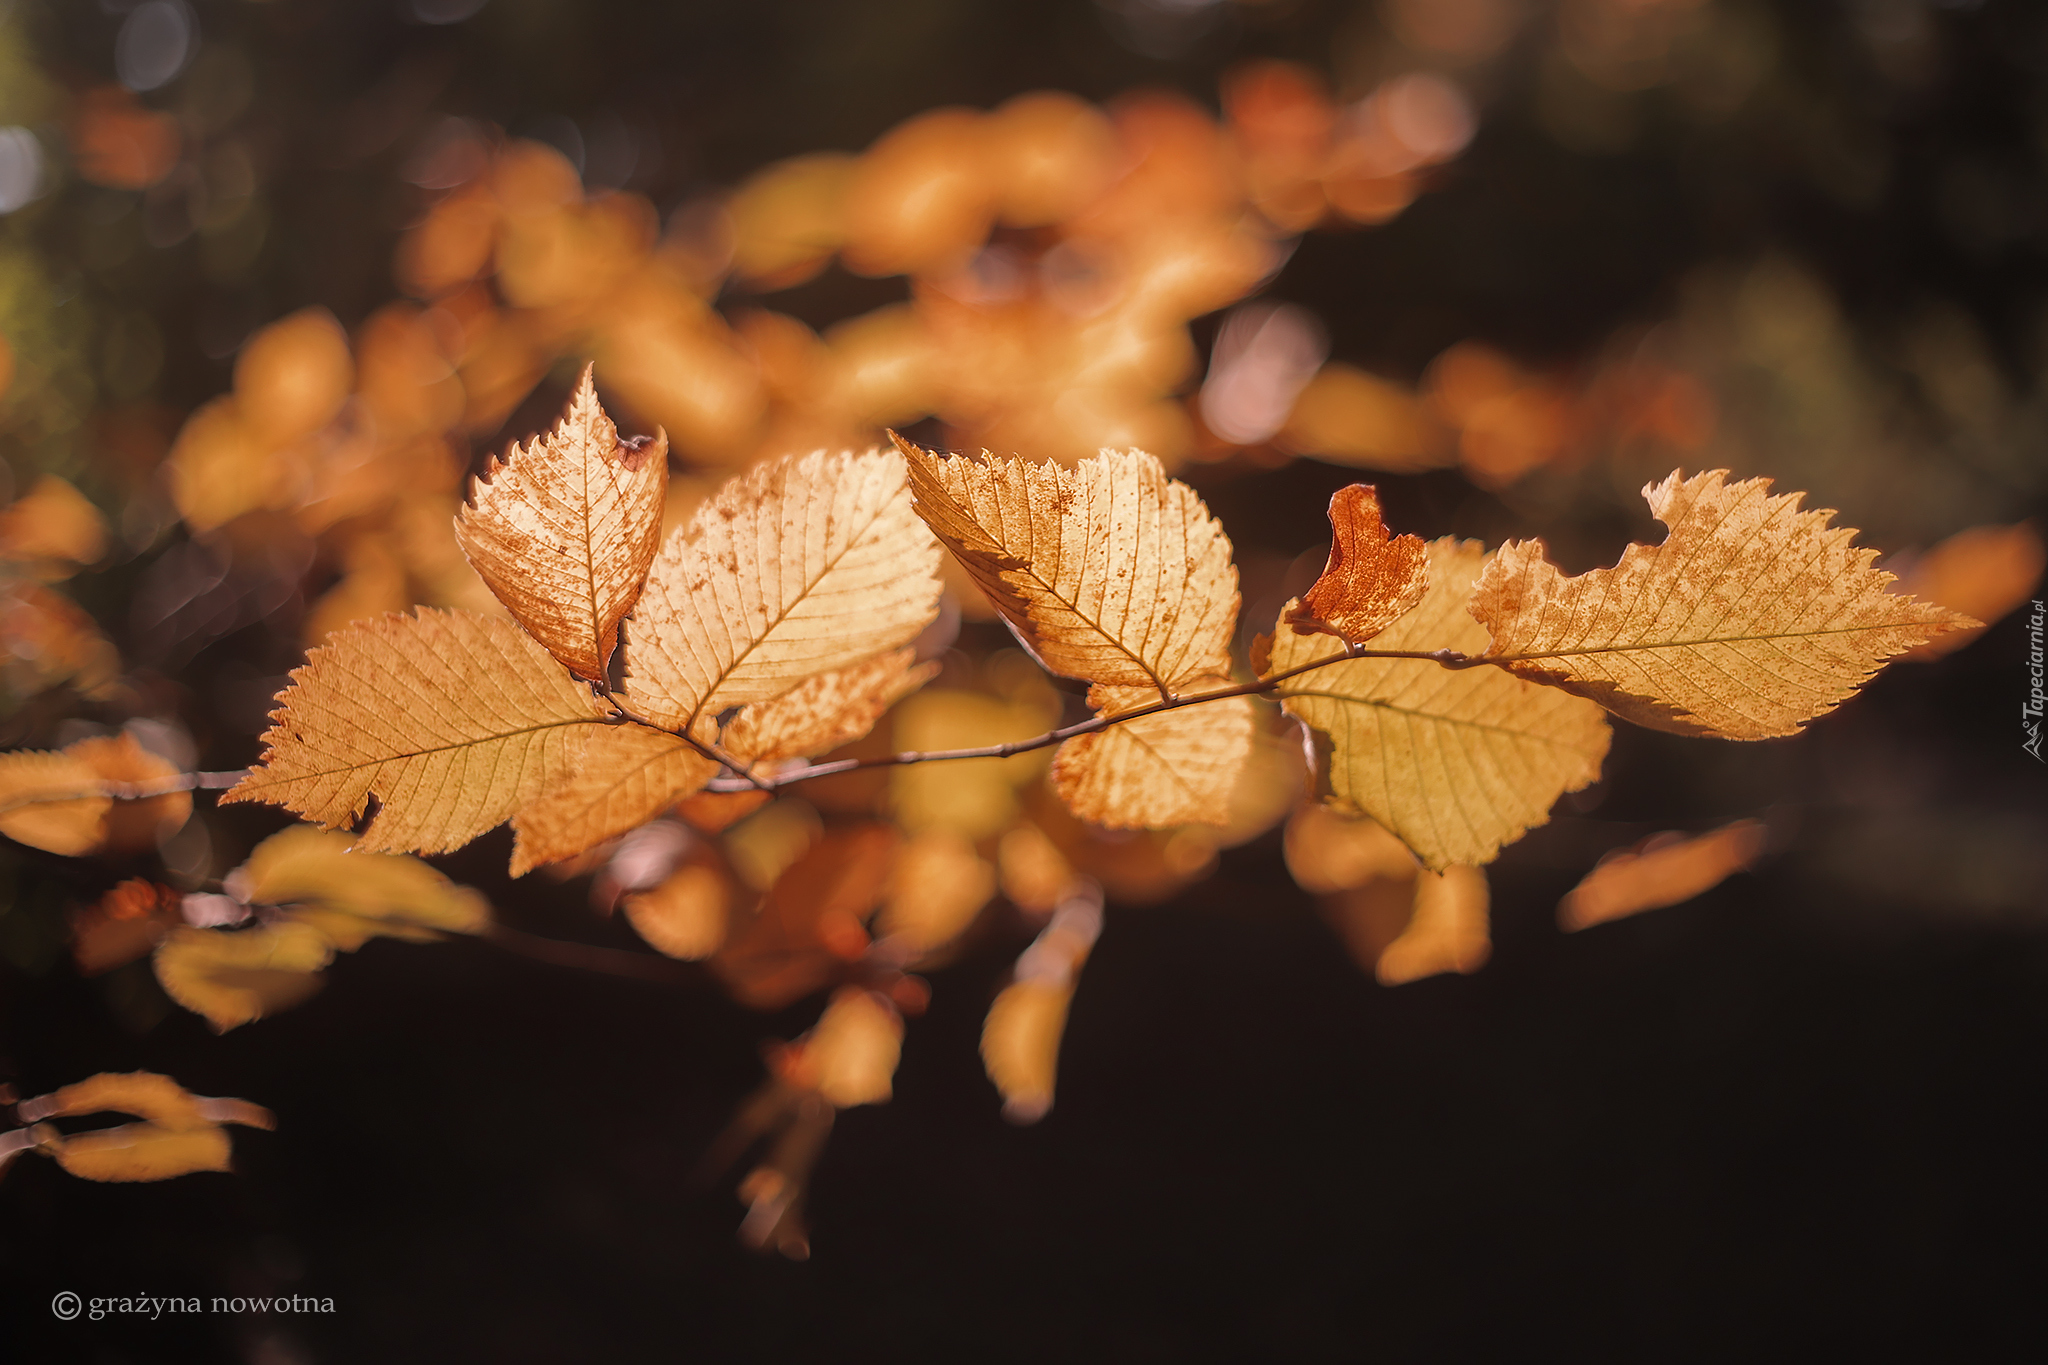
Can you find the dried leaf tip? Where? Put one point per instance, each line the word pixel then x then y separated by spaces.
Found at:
pixel 564 528
pixel 1371 580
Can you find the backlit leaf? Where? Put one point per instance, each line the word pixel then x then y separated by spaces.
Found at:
pixel 1455 762
pixel 629 774
pixel 1171 768
pixel 1110 571
pixel 1752 618
pixel 798 567
pixel 453 721
pixel 563 529
pixel 1371 579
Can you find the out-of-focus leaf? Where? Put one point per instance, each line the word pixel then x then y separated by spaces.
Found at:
pixel 235 978
pixel 1663 870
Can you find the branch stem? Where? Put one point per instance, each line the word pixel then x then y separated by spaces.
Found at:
pixel 1448 658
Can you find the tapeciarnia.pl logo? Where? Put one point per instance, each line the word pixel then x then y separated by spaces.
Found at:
pixel 2037 696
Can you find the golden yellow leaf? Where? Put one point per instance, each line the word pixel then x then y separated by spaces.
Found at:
pixel 850 1056
pixel 45 802
pixel 182 1132
pixel 1110 571
pixel 1983 572
pixel 686 914
pixel 159 1099
pixel 1663 870
pixel 1751 618
pixel 1447 930
pixel 822 713
pixel 453 721
pixel 563 529
pixel 628 775
pixel 142 1151
pixel 1329 852
pixel 1346 416
pixel 293 376
pixel 1020 1044
pixel 1455 762
pixel 130 826
pixel 974 797
pixel 797 567
pixel 937 888
pixel 1371 579
pixel 1035 875
pixel 1170 768
pixel 53 524
pixel 764 846
pixel 234 978
pixel 351 896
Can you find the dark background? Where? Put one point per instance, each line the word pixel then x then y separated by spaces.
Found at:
pixel 1800 1115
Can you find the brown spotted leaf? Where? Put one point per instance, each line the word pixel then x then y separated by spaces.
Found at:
pixel 798 567
pixel 1109 571
pixel 452 720
pixel 1751 619
pixel 1370 581
pixel 563 530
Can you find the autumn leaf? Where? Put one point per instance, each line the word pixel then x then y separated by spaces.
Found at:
pixel 235 978
pixel 1116 574
pixel 1983 572
pixel 1020 1039
pixel 822 713
pixel 1170 768
pixel 563 530
pixel 122 925
pixel 1110 572
pixel 1329 852
pixel 812 920
pixel 130 826
pixel 1752 618
pixel 181 1132
pixel 850 1055
pixel 629 774
pixel 50 801
pixel 52 529
pixel 1371 580
pixel 1447 929
pixel 351 896
pixel 1663 870
pixel 1456 762
pixel 1020 1045
pixel 686 914
pixel 799 567
pixel 937 887
pixel 452 720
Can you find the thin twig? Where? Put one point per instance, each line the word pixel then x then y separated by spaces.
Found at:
pixel 747 780
pixel 130 791
pixel 589 957
pixel 1448 658
pixel 744 779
